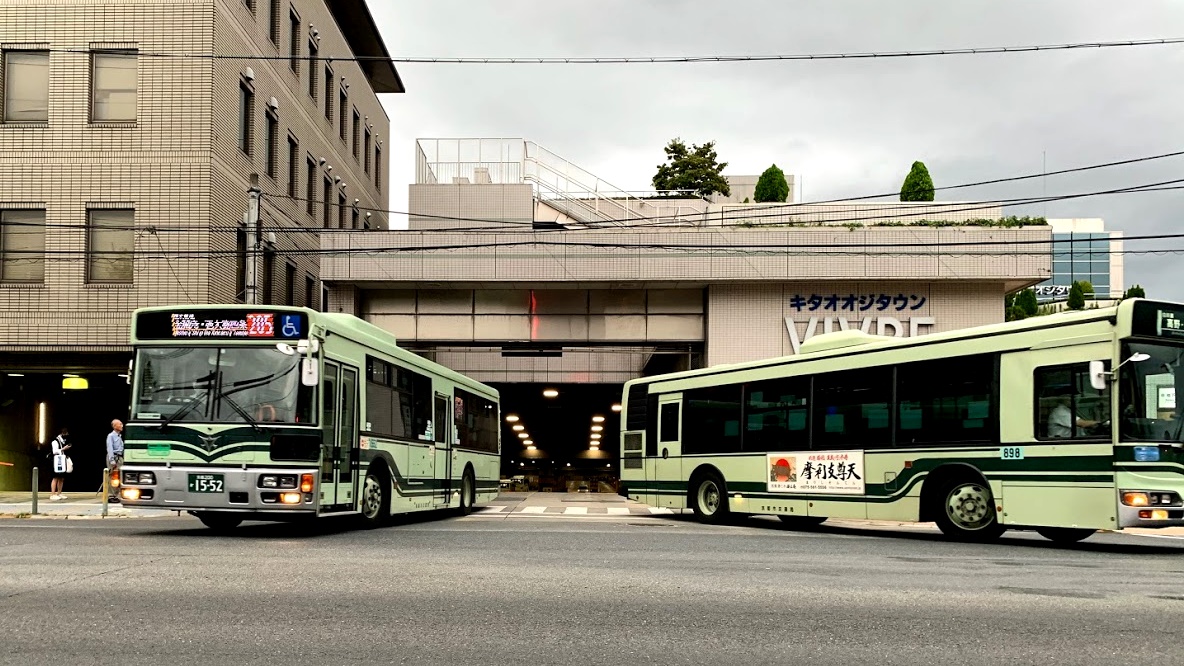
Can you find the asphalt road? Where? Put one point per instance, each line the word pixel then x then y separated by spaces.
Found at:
pixel 542 590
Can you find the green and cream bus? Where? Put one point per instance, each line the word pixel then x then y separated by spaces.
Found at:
pixel 272 413
pixel 1066 424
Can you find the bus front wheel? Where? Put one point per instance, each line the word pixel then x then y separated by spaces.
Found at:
pixel 219 522
pixel 376 499
pixel 1064 534
pixel 709 499
pixel 966 510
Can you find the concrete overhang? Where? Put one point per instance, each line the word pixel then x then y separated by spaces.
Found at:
pixel 1014 258
pixel 355 21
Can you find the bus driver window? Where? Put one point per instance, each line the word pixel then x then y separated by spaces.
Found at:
pixel 1067 407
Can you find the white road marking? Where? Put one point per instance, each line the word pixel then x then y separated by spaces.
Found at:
pixel 534 509
pixel 576 510
pixel 494 509
pixel 618 511
pixel 660 509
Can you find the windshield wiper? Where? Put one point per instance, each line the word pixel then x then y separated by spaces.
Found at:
pixel 180 412
pixel 241 412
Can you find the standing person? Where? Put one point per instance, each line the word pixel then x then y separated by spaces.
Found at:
pixel 115 451
pixel 59 448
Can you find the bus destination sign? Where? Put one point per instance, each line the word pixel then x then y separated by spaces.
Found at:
pixel 221 324
pixel 1158 319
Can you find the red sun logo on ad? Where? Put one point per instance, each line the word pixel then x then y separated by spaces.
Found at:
pixel 783 470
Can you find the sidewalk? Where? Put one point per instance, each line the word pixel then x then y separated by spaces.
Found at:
pixel 78 505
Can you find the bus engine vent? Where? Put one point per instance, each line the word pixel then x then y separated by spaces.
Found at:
pixel 631 456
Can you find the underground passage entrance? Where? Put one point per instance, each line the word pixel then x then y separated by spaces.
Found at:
pixel 560 437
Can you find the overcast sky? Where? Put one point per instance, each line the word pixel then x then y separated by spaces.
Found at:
pixel 846 128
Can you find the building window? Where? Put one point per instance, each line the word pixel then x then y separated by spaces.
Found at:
pixel 309 290
pixel 294 41
pixel 366 150
pixel 268 287
pixel 378 168
pixel 240 264
pixel 273 21
pixel 354 134
pixel 329 94
pixel 312 69
pixel 328 201
pixel 26 86
pixel 310 187
pixel 22 245
pixel 113 87
pixel 343 106
pixel 293 165
pixel 271 129
pixel 289 283
pixel 1068 406
pixel 110 236
pixel 246 112
pixel 340 210
pixel 353 220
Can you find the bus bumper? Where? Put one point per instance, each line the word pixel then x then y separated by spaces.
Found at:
pixel 218 489
pixel 1151 517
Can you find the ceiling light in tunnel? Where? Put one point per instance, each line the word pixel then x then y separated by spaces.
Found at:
pixel 527 442
pixel 523 435
pixel 531 448
pixel 519 427
pixel 597 428
pixel 598 419
pixel 511 418
pixel 616 406
pixel 595 435
pixel 550 393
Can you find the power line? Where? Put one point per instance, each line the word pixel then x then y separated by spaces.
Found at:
pixel 650 60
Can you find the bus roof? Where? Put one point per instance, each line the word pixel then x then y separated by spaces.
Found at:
pixel 334 323
pixel 839 343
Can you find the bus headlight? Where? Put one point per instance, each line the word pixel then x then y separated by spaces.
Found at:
pixel 130 494
pixel 277 481
pixel 290 498
pixel 1135 499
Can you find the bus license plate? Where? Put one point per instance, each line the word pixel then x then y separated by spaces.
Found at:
pixel 206 483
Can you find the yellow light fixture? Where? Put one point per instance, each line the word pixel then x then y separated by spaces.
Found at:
pixel 42 424
pixel 616 406
pixel 527 442
pixel 550 393
pixel 595 435
pixel 519 427
pixel 511 418
pixel 597 428
pixel 593 448
pixel 598 419
pixel 531 448
pixel 75 383
pixel 523 435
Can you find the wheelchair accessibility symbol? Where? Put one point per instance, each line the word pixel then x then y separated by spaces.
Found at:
pixel 290 326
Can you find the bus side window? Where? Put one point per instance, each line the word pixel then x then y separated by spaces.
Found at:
pixel 1067 406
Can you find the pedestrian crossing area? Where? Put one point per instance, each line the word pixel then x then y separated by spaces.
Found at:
pixel 516 510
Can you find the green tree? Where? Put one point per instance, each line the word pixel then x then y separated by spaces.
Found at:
pixel 697 169
pixel 1076 297
pixel 1134 292
pixel 771 186
pixel 1026 301
pixel 918 186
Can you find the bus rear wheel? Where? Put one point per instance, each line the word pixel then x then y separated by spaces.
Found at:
pixel 1064 534
pixel 966 510
pixel 219 522
pixel 376 499
pixel 709 499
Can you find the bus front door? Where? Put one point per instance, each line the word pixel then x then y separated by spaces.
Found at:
pixel 442 427
pixel 340 455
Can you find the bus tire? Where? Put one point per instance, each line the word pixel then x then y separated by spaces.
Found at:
pixel 219 522
pixel 801 522
pixel 376 497
pixel 709 498
pixel 1065 534
pixel 468 493
pixel 965 509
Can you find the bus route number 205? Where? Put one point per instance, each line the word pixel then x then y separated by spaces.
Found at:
pixel 1012 452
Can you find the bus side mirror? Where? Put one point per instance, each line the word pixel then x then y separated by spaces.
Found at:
pixel 1097 375
pixel 309 376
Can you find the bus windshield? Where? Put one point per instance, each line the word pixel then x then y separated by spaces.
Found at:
pixel 1148 393
pixel 221 385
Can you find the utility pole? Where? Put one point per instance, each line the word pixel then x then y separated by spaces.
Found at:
pixel 250 279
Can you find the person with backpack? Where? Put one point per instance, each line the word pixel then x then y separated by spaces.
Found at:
pixel 61 465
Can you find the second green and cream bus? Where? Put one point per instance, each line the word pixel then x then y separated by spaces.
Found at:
pixel 1065 424
pixel 272 413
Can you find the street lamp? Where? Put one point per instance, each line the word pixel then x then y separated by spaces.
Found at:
pixel 550 393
